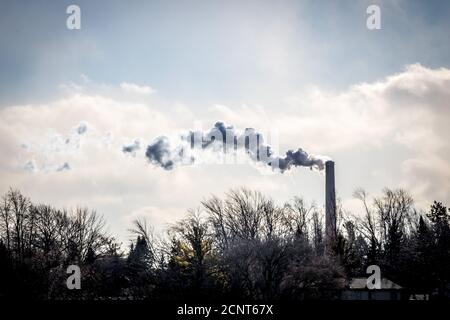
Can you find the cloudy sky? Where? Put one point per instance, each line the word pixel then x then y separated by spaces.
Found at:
pixel 376 101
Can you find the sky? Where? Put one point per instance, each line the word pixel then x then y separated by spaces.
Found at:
pixel 310 73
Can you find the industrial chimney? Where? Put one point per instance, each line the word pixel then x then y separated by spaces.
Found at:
pixel 330 207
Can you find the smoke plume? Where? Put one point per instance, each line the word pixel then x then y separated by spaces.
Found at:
pixel 133 147
pixel 191 147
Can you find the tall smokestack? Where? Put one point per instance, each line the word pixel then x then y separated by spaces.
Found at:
pixel 330 207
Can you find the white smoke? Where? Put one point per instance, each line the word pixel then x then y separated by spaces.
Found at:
pixel 191 147
pixel 47 155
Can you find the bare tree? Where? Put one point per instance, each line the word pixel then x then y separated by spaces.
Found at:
pixel 6 221
pixel 85 231
pixel 394 208
pixel 368 225
pixel 317 232
pixel 385 224
pixel 244 214
pixel 192 251
pixel 47 227
pixel 142 229
pixel 296 217
pixel 15 216
pixel 217 216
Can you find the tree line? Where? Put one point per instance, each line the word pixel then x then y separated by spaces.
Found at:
pixel 241 246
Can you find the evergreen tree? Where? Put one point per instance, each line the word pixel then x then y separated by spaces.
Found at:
pixel 440 219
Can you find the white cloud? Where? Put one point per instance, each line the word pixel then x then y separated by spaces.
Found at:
pixel 397 125
pixel 407 112
pixel 135 88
